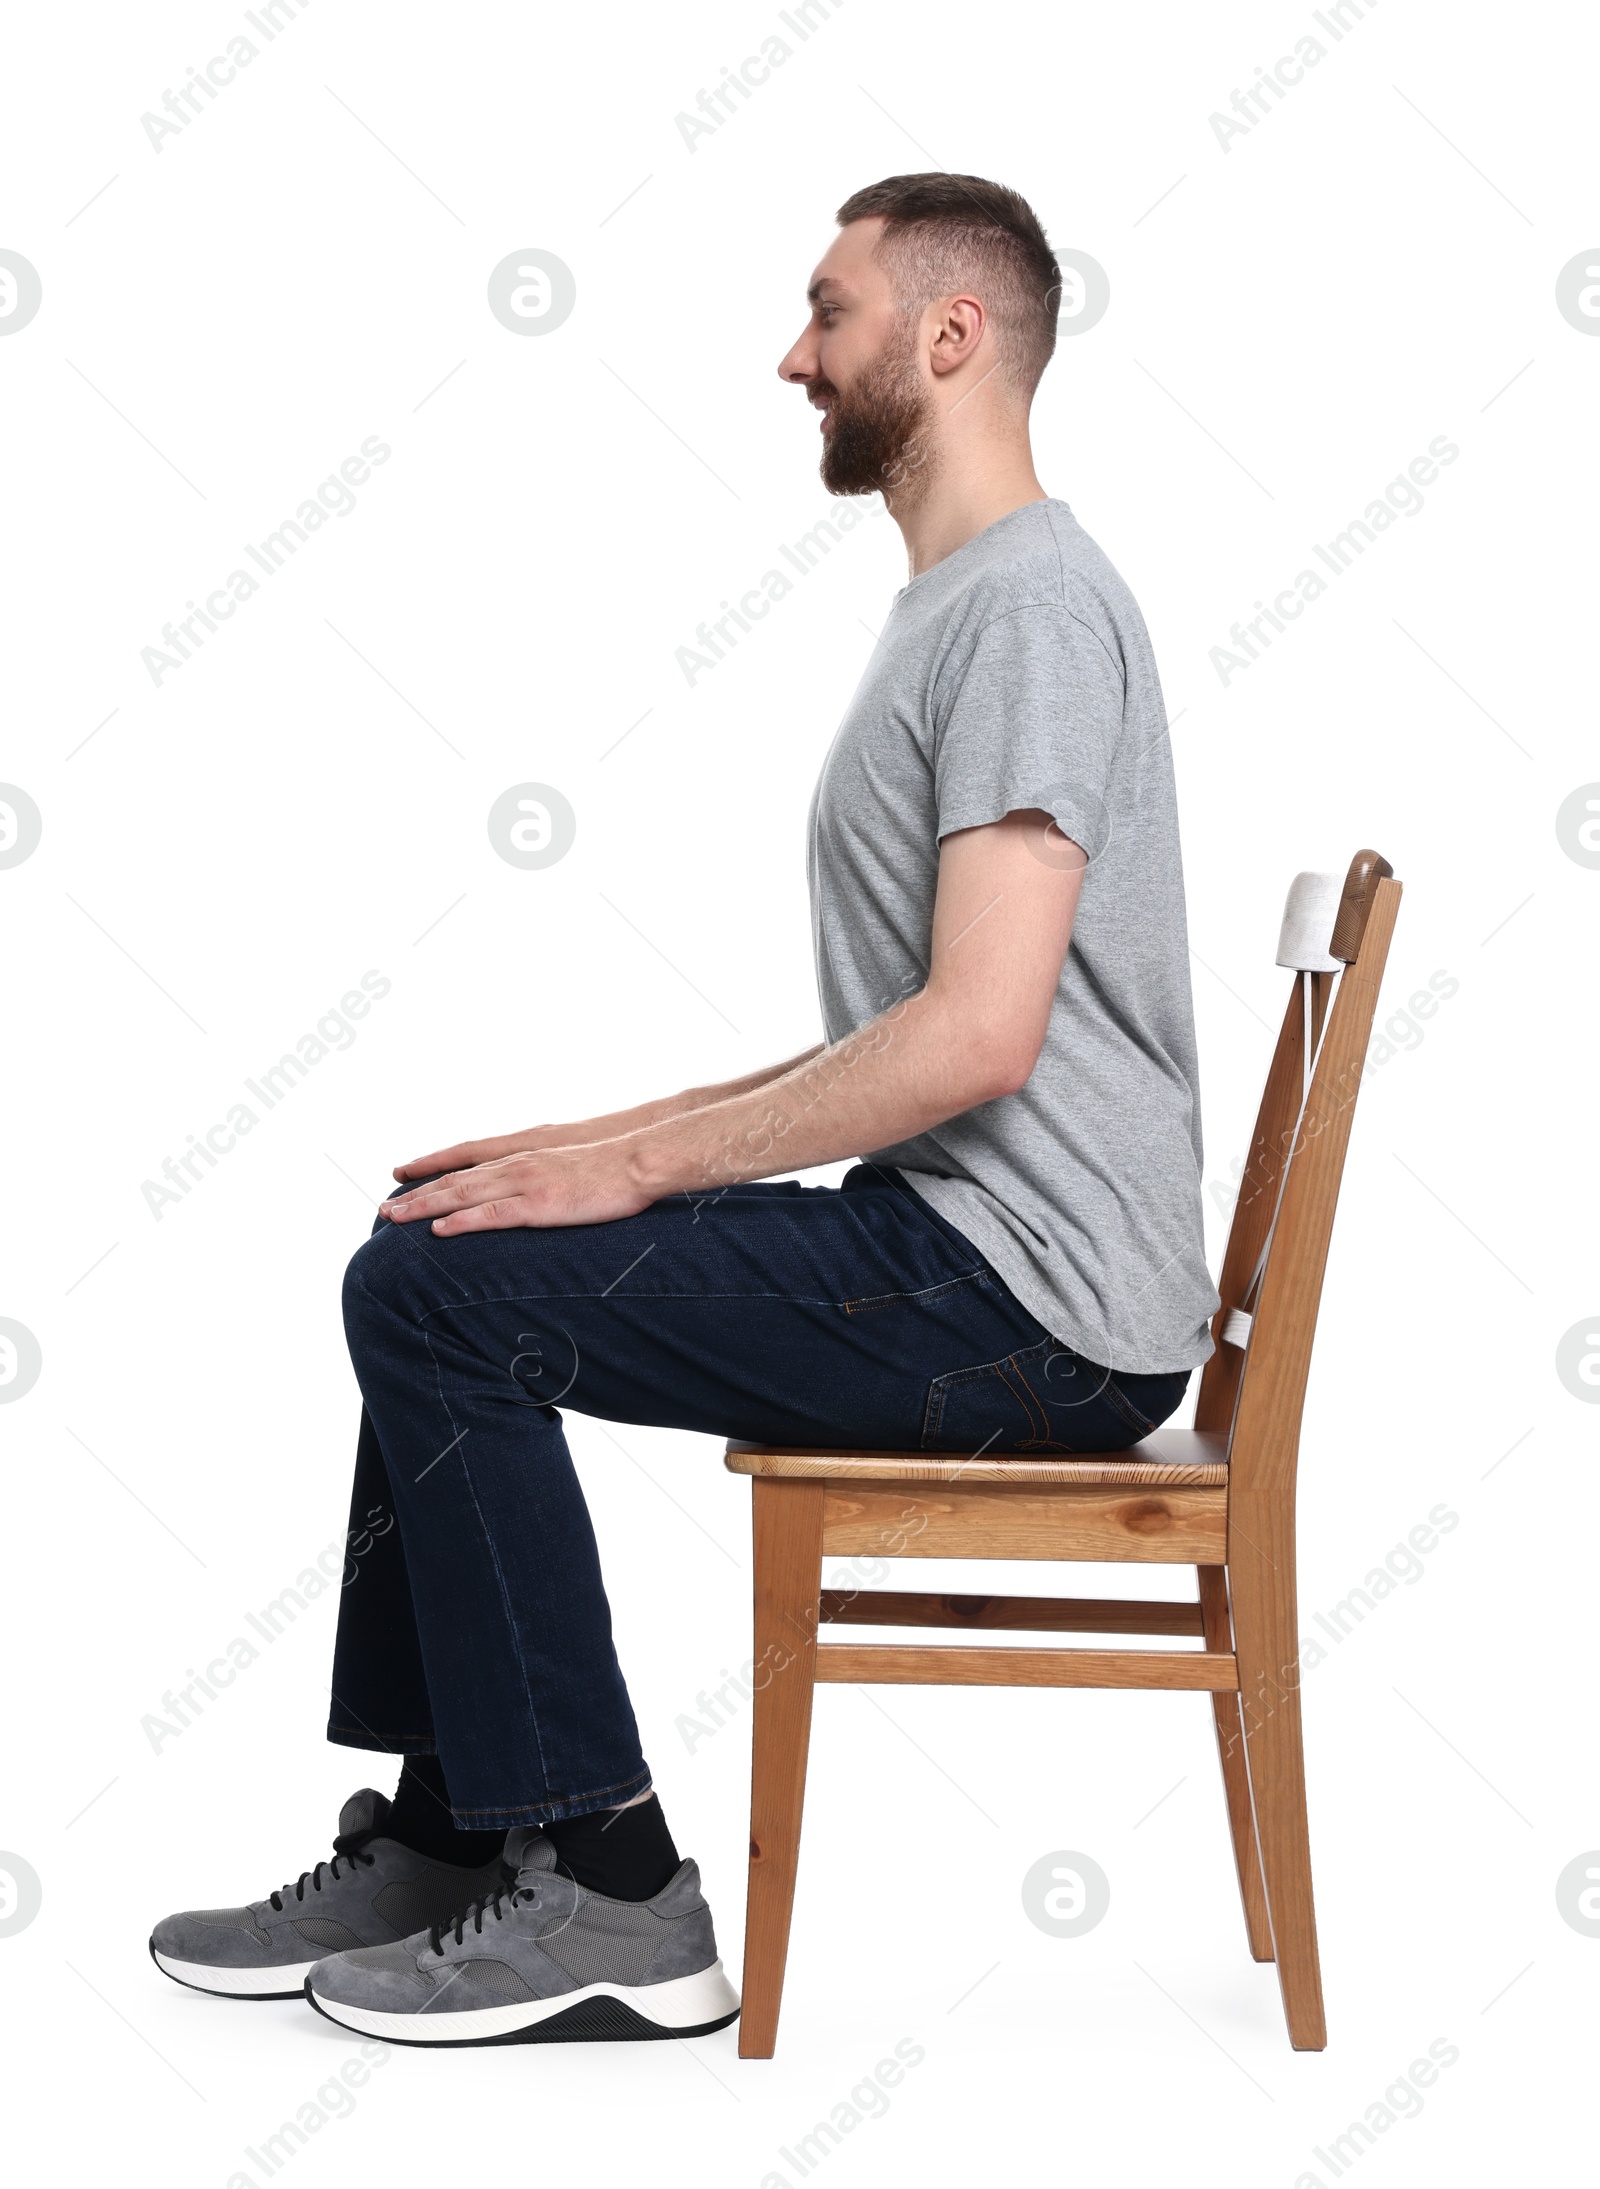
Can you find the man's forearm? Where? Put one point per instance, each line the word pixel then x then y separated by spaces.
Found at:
pixel 901 1074
pixel 587 1132
pixel 667 1107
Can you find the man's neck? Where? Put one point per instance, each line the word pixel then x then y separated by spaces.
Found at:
pixel 959 503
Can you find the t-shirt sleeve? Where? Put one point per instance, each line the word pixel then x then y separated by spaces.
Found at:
pixel 1031 719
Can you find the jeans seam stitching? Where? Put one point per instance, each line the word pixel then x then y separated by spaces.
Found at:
pixel 1129 1412
pixel 870 1300
pixel 538 1299
pixel 988 1368
pixel 1022 1390
pixel 494 1559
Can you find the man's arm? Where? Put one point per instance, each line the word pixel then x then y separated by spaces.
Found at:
pixel 467 1153
pixel 1002 924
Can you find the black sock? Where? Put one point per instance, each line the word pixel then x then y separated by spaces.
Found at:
pixel 627 1854
pixel 420 1819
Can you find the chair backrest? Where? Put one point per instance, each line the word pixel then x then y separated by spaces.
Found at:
pixel 1257 1393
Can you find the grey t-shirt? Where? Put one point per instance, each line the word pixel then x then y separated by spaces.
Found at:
pixel 1017 673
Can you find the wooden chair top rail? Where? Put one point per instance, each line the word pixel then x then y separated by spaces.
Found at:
pixel 1367 869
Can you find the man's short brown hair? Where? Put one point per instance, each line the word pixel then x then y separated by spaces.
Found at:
pixel 945 233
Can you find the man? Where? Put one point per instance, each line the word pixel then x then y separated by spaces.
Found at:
pixel 1017 1265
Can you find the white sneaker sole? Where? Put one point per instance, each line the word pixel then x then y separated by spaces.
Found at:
pixel 684 2006
pixel 287 1981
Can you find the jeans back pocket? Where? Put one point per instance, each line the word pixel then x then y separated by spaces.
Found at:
pixel 1045 1398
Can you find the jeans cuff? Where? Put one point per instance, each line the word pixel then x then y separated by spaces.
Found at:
pixel 385 1744
pixel 507 1816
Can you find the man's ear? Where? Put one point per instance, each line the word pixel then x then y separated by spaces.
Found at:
pixel 958 330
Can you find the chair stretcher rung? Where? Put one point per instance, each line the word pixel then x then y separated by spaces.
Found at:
pixel 875 1664
pixel 1048 1614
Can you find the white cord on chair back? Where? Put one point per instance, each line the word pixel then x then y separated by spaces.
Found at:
pixel 1309 912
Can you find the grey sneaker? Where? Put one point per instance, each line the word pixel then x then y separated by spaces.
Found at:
pixel 373 1891
pixel 540 1962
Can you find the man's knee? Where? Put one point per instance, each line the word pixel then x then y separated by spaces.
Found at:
pixel 376 1276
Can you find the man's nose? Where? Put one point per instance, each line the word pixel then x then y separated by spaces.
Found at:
pixel 798 364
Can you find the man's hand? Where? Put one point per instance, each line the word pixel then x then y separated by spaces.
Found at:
pixel 584 1185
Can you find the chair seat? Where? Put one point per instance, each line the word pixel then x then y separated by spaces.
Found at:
pixel 1169 1456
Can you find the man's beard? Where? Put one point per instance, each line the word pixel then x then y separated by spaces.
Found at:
pixel 878 438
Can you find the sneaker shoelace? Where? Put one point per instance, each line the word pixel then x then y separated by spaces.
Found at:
pixel 504 1896
pixel 348 1848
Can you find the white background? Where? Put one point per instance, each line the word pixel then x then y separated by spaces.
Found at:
pixel 305 265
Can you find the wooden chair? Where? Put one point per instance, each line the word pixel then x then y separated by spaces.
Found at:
pixel 1219 1497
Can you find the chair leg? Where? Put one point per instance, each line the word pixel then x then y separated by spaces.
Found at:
pixel 1235 1774
pixel 1261 1573
pixel 787 1517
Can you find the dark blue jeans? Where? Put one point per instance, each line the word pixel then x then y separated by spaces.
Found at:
pixel 477 1626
